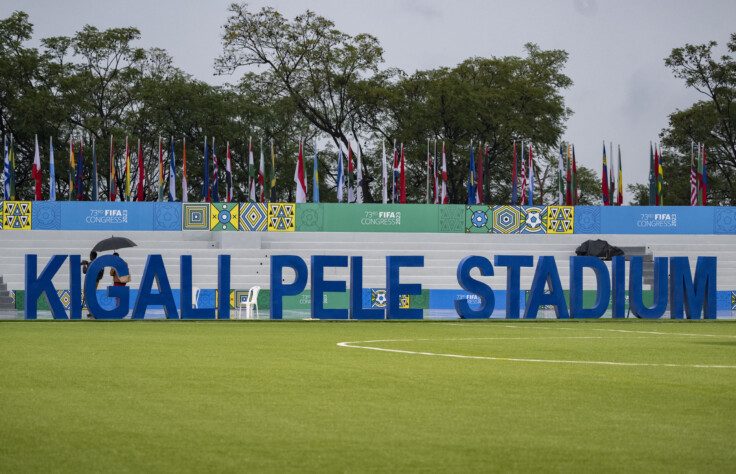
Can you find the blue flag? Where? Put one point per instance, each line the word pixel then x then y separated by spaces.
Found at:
pixel 472 191
pixel 340 176
pixel 315 186
pixel 172 174
pixel 206 174
pixel 52 173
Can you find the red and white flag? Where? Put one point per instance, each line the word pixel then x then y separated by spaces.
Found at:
pixel 36 173
pixel 443 196
pixel 301 183
pixel 261 172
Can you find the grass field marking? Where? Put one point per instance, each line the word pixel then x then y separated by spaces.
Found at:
pixel 353 345
pixel 666 333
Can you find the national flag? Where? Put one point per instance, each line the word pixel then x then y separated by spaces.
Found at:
pixel 574 179
pixel 359 179
pixel 604 178
pixel 660 176
pixel 531 176
pixel 443 197
pixel 127 170
pixel 612 186
pixel 514 191
pixel 172 173
pixel 657 183
pixel 433 172
pixel 36 172
pixel 652 178
pixel 351 175
pixel 561 181
pixel 395 187
pixel 72 170
pixel 384 191
pixel 215 194
pixel 315 177
pixel 6 169
pixel 523 177
pixel 479 177
pixel 95 194
pixel 261 174
pixel 273 174
pixel 251 173
pixel 429 172
pixel 184 187
pixel 693 176
pixel 301 183
pixel 141 174
pixel 568 180
pixel 80 174
pixel 12 170
pixel 112 181
pixel 52 172
pixel 160 170
pixel 402 178
pixel 704 187
pixel 620 197
pixel 206 173
pixel 472 192
pixel 340 175
pixel 228 176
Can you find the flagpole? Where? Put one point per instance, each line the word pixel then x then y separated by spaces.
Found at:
pixel 426 193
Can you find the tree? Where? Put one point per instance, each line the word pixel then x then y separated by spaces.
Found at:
pixel 306 60
pixel 711 122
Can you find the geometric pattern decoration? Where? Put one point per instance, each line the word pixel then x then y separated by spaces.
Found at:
pixel 724 220
pixel 224 216
pixel 195 217
pixel 560 219
pixel 310 217
pixel 281 217
pixel 238 298
pixel 733 300
pixel 1 216
pixel 253 217
pixel 452 219
pixel 166 216
pixel 46 215
pixel 478 219
pixel 533 220
pixel 506 219
pixel 17 215
pixel 588 219
pixel 378 299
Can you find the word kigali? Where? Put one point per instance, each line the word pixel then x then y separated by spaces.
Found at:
pixel 673 283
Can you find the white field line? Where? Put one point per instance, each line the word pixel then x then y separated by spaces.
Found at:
pixel 360 345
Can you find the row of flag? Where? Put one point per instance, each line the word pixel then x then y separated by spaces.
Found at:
pixel 522 191
pixel 612 194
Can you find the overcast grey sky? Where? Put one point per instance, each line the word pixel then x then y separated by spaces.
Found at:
pixel 622 91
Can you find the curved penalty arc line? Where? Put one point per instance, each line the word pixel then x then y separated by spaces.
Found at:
pixel 353 345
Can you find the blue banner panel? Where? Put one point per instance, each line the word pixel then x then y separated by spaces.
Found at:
pixel 107 216
pixel 647 220
pixel 442 302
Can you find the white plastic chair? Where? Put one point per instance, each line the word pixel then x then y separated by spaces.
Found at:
pixel 249 303
pixel 195 297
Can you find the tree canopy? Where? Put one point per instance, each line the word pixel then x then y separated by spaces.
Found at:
pixel 301 78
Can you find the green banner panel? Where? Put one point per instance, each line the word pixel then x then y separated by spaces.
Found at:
pixel 337 217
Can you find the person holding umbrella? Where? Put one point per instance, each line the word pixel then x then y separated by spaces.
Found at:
pixel 85 266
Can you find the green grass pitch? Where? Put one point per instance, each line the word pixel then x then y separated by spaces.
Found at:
pixel 173 396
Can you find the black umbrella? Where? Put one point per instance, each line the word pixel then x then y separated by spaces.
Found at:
pixel 113 243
